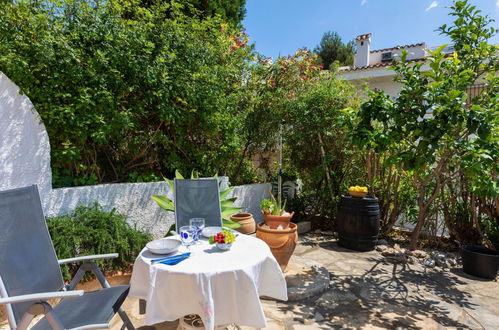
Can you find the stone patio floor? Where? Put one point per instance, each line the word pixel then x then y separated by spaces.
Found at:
pixel 368 291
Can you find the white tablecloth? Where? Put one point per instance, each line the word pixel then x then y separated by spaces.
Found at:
pixel 222 287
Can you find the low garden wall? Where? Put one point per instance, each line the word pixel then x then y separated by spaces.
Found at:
pixel 133 200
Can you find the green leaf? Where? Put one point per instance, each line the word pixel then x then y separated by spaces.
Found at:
pixel 178 175
pixel 164 202
pixel 225 193
pixel 228 202
pixel 231 224
pixel 230 210
pixel 170 183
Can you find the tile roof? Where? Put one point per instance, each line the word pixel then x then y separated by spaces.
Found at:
pixel 397 47
pixel 378 65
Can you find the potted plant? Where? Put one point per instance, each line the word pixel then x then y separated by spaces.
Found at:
pixel 226 204
pixel 277 231
pixel 274 214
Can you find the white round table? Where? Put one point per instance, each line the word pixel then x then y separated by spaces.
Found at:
pixel 223 287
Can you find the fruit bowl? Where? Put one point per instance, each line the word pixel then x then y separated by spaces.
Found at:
pixel 224 246
pixel 357 194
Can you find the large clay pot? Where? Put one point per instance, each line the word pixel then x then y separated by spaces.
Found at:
pixel 273 221
pixel 282 243
pixel 247 222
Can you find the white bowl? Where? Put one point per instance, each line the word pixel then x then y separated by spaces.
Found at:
pixel 211 231
pixel 164 245
pixel 224 246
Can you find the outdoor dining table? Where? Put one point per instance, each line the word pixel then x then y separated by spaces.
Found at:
pixel 222 287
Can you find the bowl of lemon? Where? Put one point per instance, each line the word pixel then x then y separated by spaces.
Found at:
pixel 358 192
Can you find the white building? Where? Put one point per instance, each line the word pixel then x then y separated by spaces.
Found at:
pixel 372 66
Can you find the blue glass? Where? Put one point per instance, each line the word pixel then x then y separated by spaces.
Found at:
pixel 188 235
pixel 199 223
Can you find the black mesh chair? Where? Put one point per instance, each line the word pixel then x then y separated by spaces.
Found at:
pixel 197 198
pixel 30 273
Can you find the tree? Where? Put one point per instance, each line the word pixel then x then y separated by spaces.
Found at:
pixel 232 11
pixel 331 48
pixel 432 127
pixel 125 93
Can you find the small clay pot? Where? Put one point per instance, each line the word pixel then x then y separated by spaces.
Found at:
pixel 273 221
pixel 247 222
pixel 282 243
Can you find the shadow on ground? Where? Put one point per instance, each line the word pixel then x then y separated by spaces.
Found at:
pixel 388 294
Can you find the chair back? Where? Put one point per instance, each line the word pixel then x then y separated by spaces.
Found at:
pixel 28 263
pixel 197 198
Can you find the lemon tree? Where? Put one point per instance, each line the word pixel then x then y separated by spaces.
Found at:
pixel 433 129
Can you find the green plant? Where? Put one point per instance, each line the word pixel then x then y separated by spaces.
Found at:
pixel 130 92
pixel 92 230
pixel 226 204
pixel 433 129
pixel 492 230
pixel 272 206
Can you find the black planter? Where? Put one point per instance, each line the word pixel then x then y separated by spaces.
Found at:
pixel 480 261
pixel 358 223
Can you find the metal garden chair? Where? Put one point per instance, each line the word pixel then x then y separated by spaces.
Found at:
pixel 197 198
pixel 30 273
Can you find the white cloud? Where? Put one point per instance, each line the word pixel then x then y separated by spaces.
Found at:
pixel 497 3
pixel 432 5
pixel 363 2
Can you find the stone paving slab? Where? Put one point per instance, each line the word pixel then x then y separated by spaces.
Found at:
pixel 369 291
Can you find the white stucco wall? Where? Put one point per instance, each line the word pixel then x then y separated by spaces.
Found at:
pixel 24 143
pixel 133 200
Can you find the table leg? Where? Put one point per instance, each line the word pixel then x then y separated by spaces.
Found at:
pixel 142 306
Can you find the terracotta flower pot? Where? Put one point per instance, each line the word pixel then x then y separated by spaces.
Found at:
pixel 247 222
pixel 273 221
pixel 282 243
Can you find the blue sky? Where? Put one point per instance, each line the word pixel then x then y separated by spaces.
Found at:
pixel 280 27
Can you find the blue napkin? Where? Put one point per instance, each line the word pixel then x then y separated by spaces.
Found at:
pixel 171 259
pixel 174 261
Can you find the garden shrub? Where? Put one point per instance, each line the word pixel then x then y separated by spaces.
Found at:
pixel 92 230
pixel 128 93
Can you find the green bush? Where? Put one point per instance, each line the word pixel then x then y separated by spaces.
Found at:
pixel 92 230
pixel 128 93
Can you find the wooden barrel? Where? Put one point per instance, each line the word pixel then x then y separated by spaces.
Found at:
pixel 358 223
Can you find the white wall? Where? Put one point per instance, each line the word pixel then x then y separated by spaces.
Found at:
pixel 414 53
pixel 133 200
pixel 24 143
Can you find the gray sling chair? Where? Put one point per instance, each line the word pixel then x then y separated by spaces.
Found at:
pixel 197 198
pixel 30 273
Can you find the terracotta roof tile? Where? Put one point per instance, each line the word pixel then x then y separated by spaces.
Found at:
pixel 395 48
pixel 379 65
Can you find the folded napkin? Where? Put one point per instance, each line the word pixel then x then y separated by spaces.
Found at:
pixel 172 260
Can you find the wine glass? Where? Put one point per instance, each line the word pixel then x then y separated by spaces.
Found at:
pixel 199 223
pixel 188 235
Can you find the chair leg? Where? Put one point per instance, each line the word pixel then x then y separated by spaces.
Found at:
pixel 126 320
